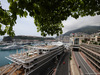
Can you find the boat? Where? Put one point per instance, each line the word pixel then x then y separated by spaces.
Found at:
pixel 11 47
pixel 27 62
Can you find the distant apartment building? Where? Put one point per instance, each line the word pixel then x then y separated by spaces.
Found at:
pixel 96 37
pixel 78 38
pixel 59 38
pixel 66 39
pixel 79 34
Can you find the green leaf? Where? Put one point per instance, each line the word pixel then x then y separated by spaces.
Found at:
pixel 10 1
pixel 25 14
pixel 48 14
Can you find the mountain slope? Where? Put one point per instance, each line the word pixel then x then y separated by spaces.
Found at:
pixel 87 29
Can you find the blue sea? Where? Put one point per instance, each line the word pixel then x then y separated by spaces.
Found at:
pixel 6 53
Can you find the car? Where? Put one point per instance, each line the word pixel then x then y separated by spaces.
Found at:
pixel 63 62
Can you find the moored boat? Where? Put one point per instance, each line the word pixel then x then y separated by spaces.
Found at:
pixel 11 47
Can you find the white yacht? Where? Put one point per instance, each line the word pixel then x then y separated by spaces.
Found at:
pixel 11 47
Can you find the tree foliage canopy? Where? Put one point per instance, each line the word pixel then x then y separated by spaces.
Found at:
pixel 48 14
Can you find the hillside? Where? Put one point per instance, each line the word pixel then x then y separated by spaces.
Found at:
pixel 87 29
pixel 8 38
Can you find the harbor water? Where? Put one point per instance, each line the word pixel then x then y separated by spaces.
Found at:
pixel 6 53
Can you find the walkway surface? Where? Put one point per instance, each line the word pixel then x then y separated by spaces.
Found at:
pixel 63 68
pixel 86 69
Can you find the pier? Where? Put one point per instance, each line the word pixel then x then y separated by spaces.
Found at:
pixel 28 62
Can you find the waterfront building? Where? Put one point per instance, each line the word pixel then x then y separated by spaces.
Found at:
pixel 79 38
pixel 25 63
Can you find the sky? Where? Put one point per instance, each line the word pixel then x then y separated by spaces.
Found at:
pixel 26 26
pixel 71 23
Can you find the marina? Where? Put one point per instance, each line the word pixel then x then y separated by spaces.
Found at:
pixel 49 37
pixel 12 47
pixel 5 53
pixel 26 61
